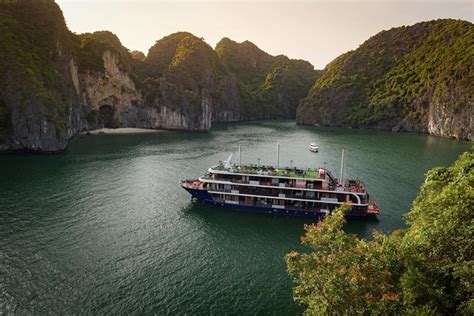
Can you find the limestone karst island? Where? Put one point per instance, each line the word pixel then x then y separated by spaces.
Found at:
pixel 236 157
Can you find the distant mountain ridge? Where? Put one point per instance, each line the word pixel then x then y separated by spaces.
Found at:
pixel 413 78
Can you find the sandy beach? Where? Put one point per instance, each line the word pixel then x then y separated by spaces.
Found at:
pixel 121 131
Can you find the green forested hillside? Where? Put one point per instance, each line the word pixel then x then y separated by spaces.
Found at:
pixel 91 46
pixel 415 78
pixel 161 54
pixel 274 84
pixel 32 90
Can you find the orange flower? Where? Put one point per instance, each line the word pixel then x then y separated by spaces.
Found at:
pixel 390 297
pixel 371 298
pixel 293 254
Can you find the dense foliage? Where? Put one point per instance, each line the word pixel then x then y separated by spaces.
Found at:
pixel 90 48
pixel 267 86
pixel 138 55
pixel 181 71
pixel 274 84
pixel 396 75
pixel 28 30
pixel 427 268
pixel 162 53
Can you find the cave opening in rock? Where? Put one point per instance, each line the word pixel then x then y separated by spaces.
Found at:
pixel 107 116
pixel 5 121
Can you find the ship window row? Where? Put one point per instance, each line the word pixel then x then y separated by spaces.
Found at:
pixel 311 195
pixel 273 203
pixel 295 183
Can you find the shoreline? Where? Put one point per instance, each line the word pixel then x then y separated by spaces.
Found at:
pixel 124 130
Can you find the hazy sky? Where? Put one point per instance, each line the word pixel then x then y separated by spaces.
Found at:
pixel 317 31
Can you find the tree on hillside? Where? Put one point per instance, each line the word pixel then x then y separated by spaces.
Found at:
pixel 427 268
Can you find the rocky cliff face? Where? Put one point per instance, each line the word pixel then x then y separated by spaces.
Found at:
pixel 192 82
pixel 108 94
pixel 38 102
pixel 418 78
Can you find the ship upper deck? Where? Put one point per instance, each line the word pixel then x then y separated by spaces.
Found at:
pixel 284 172
pixel 288 174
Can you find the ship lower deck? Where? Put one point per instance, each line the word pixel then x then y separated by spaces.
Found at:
pixel 313 211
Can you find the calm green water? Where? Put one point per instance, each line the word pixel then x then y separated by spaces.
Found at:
pixel 105 227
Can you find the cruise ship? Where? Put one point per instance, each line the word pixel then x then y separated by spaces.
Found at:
pixel 287 191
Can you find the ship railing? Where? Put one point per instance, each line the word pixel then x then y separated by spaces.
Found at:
pixel 276 185
pixel 270 205
pixel 334 188
pixel 276 195
pixel 193 184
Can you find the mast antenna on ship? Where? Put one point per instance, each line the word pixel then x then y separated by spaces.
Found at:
pixel 240 157
pixel 278 156
pixel 342 167
pixel 228 162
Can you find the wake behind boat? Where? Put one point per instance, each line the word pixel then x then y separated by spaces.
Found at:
pixel 287 191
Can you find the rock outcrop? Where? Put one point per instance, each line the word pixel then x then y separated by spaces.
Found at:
pixel 191 81
pixel 418 78
pixel 39 105
pixel 54 84
pixel 274 85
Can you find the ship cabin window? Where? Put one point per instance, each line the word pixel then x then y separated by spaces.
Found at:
pixel 227 187
pixel 278 202
pixel 353 199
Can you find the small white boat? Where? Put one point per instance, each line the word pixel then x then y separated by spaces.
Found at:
pixel 313 148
